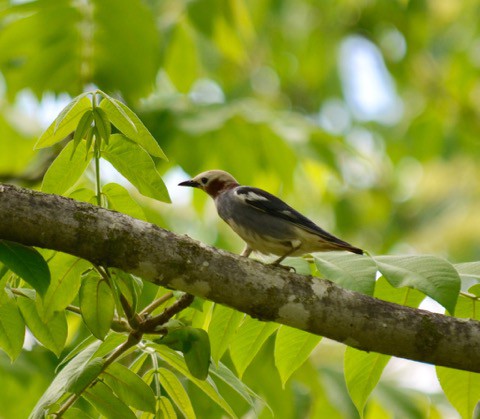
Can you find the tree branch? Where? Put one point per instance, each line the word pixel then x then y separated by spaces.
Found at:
pixel 318 306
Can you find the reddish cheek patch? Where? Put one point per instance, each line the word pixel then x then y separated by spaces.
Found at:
pixel 214 187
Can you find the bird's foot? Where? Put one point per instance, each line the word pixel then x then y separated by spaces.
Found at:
pixel 285 267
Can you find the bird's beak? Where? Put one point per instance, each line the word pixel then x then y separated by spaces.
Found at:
pixel 191 183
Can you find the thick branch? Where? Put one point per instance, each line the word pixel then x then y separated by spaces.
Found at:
pixel 268 293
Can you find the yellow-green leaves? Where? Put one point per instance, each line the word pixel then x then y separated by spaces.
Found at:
pixel 131 153
pixel 292 348
pixel 133 162
pixel 66 122
pixel 130 125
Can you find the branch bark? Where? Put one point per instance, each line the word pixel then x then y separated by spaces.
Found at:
pixel 265 292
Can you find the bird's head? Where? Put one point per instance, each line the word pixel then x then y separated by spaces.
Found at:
pixel 213 182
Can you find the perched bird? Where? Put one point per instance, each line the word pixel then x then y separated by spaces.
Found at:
pixel 266 223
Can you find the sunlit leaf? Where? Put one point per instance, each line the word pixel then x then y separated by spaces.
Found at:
pixel 462 389
pixel 469 270
pixel 434 276
pixel 120 200
pixel 131 126
pixel 65 123
pixel 66 169
pixel 248 340
pixel 102 123
pixel 51 334
pixel 221 330
pixel 292 348
pixel 27 263
pixel 165 408
pixel 351 271
pixel 137 166
pixel 66 278
pixel 177 393
pixel 362 373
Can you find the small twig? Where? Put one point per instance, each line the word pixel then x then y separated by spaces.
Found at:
pixel 150 325
pixel 469 295
pixel 155 304
pixel 133 318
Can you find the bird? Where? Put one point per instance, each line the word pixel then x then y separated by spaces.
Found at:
pixel 265 223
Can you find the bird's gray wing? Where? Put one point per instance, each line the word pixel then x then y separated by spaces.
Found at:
pixel 270 204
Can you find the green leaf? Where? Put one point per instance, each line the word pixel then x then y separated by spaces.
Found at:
pixel 85 375
pixel 195 345
pixel 431 275
pixel 137 166
pixel 66 278
pixel 120 200
pixel 173 359
pixel 405 296
pixel 65 123
pixel 51 334
pixel 221 330
pixel 469 270
pixel 101 397
pixel 165 408
pixel 97 304
pixel 27 263
pixel 75 413
pixel 83 126
pixel 351 271
pixel 462 389
pixel 131 126
pixel 130 388
pixel 362 373
pixel 292 348
pixel 177 393
pixel 66 169
pixel 229 378
pixel 130 286
pixel 248 340
pixel 60 383
pixel 12 327
pixel 102 124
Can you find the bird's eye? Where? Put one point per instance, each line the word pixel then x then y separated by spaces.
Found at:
pixel 204 180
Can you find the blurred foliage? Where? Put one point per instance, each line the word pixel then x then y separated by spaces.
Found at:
pixel 265 90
